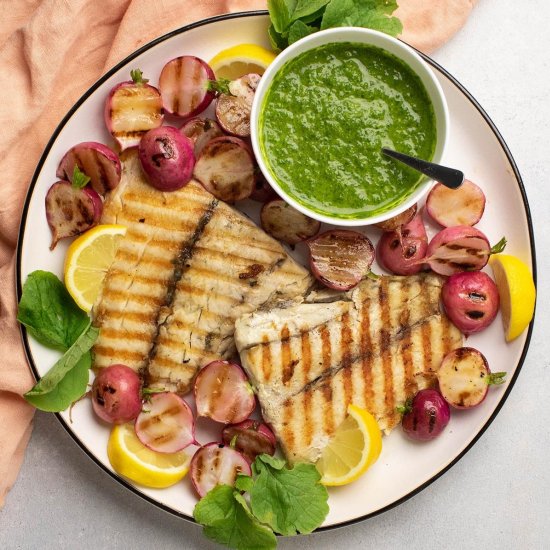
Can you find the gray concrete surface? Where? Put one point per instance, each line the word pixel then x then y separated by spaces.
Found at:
pixel 497 496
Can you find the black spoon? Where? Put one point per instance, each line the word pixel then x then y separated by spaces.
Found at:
pixel 450 177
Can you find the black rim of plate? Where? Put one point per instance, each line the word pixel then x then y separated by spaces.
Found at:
pixel 91 90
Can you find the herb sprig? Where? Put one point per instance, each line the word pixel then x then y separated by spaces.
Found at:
pixel 292 20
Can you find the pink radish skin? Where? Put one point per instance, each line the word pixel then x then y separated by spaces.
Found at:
pixel 287 224
pixel 216 464
pixel 397 221
pixel 166 423
pixel 400 254
pixel 70 211
pixel 131 109
pixel 456 249
pixel 426 417
pixel 167 158
pixel 340 258
pixel 233 110
pixel 200 131
pixel 183 85
pixel 223 393
pixel 100 163
pixel 464 378
pixel 450 207
pixel 116 394
pixel 471 300
pixel 251 438
pixel 226 169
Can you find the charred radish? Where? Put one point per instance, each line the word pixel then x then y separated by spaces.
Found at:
pixel 183 85
pixel 471 300
pixel 233 108
pixel 426 416
pixel 94 159
pixel 263 192
pixel 251 438
pixel 223 393
pixel 397 221
pixel 200 131
pixel 116 394
pixel 226 169
pixel 460 248
pixel 131 109
pixel 166 423
pixel 216 464
pixel 71 211
pixel 340 258
pixel 461 206
pixel 464 378
pixel 400 253
pixel 287 224
pixel 167 158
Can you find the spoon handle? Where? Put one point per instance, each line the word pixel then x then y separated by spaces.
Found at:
pixel 450 177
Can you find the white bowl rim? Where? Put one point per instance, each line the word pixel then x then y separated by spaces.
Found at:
pixel 355 34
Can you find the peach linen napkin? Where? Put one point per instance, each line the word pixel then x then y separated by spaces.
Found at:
pixel 51 51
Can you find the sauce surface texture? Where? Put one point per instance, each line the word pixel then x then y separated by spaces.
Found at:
pixel 324 119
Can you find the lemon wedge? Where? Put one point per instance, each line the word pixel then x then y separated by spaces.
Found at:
pixel 517 293
pixel 355 446
pixel 242 59
pixel 88 260
pixel 131 459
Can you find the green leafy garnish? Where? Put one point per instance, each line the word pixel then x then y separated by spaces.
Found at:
pixel 79 179
pixel 66 381
pixel 283 500
pixel 290 501
pixel 49 313
pixel 53 318
pixel 227 519
pixel 294 19
pixel 137 77
pixel 220 86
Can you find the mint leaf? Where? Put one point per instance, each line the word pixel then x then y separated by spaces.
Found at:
pixel 244 482
pixel 54 392
pixel 226 519
pixel 70 388
pixel 278 41
pixel 79 179
pixel 49 312
pixel 304 8
pixel 374 14
pixel 290 501
pixel 280 12
pixel 298 30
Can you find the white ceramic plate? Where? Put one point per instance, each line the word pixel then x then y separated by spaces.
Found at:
pixel 475 146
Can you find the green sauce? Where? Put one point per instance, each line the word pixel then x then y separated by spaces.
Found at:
pixel 324 119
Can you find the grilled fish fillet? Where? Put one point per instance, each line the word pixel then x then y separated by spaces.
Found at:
pixel 186 269
pixel 374 346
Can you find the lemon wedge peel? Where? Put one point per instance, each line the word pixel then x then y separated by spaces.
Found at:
pixel 355 446
pixel 241 59
pixel 517 293
pixel 133 460
pixel 88 259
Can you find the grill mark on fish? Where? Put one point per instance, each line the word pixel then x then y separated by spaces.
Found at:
pixel 120 296
pixel 326 388
pixel 266 362
pixel 287 364
pixel 108 351
pixel 115 334
pixel 306 401
pixel 346 342
pixel 366 353
pixel 180 263
pixel 193 203
pixel 235 259
pixel 385 342
pixel 288 428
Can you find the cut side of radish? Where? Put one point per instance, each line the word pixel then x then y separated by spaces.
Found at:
pixel 166 424
pixel 183 84
pixel 223 393
pixel 462 206
pixel 464 378
pixel 215 464
pixel 287 224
